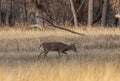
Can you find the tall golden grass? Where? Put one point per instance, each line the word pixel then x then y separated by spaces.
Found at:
pixel 73 71
pixel 97 58
pixel 23 33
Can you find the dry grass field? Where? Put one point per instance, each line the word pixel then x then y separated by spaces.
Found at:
pixel 98 57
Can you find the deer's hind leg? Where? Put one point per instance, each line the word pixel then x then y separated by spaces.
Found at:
pixel 65 52
pixel 59 53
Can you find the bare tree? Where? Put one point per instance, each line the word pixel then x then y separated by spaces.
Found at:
pixel 25 11
pixel 38 13
pixel 104 13
pixel 8 13
pixel 119 12
pixel 118 19
pixel 0 14
pixel 74 13
pixel 11 16
pixel 59 11
pixel 90 13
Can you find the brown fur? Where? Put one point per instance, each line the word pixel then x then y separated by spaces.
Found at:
pixel 56 46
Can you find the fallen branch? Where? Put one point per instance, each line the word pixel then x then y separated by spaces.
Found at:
pixel 59 27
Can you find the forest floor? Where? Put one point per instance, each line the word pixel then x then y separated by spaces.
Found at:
pixel 97 59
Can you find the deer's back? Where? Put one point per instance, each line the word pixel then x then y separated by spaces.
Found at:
pixel 54 46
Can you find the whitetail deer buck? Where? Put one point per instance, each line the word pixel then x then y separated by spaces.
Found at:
pixel 56 46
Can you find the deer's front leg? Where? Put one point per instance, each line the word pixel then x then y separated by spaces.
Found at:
pixel 45 54
pixel 39 55
pixel 41 51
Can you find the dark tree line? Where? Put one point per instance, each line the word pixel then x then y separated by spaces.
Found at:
pixel 59 12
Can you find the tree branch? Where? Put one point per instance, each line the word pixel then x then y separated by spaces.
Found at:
pixel 59 27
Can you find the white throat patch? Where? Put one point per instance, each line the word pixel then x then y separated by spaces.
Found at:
pixel 42 49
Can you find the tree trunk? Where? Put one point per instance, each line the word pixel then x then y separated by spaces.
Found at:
pixel 119 13
pixel 11 17
pixel 0 14
pixel 119 22
pixel 7 17
pixel 9 14
pixel 74 13
pixel 39 21
pixel 25 12
pixel 90 13
pixel 104 13
pixel 38 13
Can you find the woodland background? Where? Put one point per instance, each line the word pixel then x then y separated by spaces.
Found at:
pixel 17 12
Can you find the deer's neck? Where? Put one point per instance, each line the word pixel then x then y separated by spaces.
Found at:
pixel 70 47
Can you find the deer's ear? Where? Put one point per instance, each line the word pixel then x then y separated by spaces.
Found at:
pixel 72 44
pixel 76 43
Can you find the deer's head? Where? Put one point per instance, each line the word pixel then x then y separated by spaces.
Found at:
pixel 73 48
